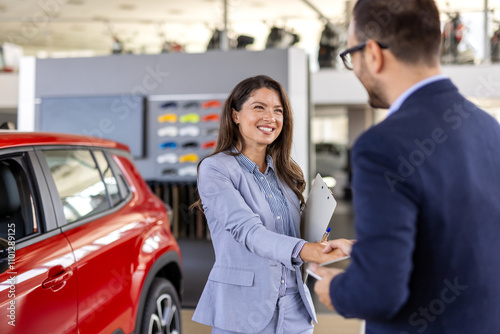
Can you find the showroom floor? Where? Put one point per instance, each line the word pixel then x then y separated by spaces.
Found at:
pixel 198 258
pixel 328 323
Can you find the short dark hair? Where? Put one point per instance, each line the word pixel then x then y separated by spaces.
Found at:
pixel 411 28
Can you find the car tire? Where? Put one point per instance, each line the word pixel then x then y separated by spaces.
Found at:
pixel 162 312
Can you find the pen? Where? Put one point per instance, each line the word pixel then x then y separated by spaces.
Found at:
pixel 325 235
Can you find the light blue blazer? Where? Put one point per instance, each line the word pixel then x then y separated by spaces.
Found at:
pixel 243 285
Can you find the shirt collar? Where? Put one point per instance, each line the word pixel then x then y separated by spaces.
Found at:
pixel 406 94
pixel 249 164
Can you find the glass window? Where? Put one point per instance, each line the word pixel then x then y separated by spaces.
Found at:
pixel 122 183
pixel 18 216
pixel 78 182
pixel 109 178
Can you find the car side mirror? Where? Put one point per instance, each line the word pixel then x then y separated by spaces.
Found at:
pixel 4 255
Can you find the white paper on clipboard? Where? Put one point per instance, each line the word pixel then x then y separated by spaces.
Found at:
pixel 318 211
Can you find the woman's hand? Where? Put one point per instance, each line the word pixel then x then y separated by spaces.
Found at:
pixel 343 244
pixel 324 252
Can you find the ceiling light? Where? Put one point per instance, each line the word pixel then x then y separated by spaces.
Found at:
pixel 243 41
pixel 281 38
pixel 328 47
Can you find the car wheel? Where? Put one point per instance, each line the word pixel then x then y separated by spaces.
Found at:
pixel 162 313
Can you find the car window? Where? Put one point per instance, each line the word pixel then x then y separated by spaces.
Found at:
pixel 18 212
pixel 78 181
pixel 123 186
pixel 109 178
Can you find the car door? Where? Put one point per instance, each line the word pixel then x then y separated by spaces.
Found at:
pixel 103 232
pixel 38 279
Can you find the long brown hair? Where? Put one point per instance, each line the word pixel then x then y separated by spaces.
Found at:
pixel 287 170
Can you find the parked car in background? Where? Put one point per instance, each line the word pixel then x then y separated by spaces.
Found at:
pixel 332 163
pixel 85 246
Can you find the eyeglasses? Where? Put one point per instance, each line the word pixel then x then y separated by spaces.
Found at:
pixel 346 55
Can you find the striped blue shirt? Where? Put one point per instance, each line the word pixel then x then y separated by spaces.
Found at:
pixel 270 187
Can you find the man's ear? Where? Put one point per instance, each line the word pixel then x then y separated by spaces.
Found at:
pixel 236 116
pixel 374 56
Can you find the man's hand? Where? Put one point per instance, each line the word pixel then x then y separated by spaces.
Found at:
pixel 323 252
pixel 313 252
pixel 343 244
pixel 322 287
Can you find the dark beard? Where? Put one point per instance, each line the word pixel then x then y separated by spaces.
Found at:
pixel 375 97
pixel 376 101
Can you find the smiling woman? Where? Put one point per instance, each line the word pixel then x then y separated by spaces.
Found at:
pixel 259 121
pixel 251 193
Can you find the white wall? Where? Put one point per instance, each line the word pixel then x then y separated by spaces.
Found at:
pixel 26 106
pixel 337 87
pixel 343 88
pixel 9 88
pixel 298 94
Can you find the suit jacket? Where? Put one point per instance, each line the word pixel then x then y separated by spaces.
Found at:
pixel 426 187
pixel 243 285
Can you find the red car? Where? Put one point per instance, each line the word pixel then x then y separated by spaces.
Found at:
pixel 85 246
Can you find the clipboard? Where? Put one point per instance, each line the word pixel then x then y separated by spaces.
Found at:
pixel 318 212
pixel 340 263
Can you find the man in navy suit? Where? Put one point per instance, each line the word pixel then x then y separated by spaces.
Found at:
pixel 426 187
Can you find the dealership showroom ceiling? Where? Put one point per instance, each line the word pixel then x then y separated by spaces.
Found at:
pixel 52 27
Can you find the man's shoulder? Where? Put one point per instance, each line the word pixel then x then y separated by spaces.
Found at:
pixel 435 88
pixel 433 96
pixel 392 132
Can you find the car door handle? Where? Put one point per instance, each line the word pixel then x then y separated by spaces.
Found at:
pixel 58 281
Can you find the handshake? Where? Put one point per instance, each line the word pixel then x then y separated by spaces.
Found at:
pixel 318 253
pixel 321 252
